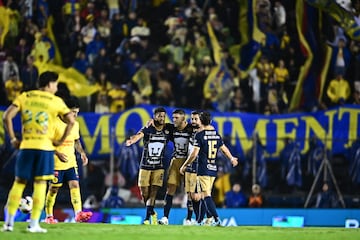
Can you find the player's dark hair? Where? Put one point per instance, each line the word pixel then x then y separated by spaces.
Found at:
pixel 205 118
pixel 195 112
pixel 159 110
pixel 46 77
pixel 72 102
pixel 179 111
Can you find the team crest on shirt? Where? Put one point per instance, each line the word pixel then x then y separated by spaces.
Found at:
pixel 166 131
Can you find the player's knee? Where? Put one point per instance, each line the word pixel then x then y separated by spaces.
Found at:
pixel 53 190
pixel 171 189
pixel 74 184
pixel 196 196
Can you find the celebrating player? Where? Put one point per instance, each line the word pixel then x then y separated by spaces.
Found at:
pixel 151 174
pixel 207 142
pixel 181 135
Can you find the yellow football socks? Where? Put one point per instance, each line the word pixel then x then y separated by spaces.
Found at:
pixel 76 199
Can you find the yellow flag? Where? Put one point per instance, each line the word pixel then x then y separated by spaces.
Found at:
pixel 76 82
pixel 50 34
pixel 4 23
pixel 214 44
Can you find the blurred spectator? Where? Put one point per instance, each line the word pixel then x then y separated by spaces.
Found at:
pixel 102 104
pixel 80 62
pixel 29 74
pixel 21 51
pixel 256 199
pixel 117 96
pixel 88 31
pixel 338 90
pixel 235 198
pixel 103 24
pixel 340 58
pixel 93 48
pixel 10 68
pixel 40 49
pixel 43 12
pixel 14 87
pixel 325 198
pixel 114 8
pixel 163 93
pixel 238 102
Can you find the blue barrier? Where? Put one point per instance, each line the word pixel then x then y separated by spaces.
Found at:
pixel 229 217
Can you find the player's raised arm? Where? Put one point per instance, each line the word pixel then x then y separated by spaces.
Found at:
pixel 134 138
pixel 226 151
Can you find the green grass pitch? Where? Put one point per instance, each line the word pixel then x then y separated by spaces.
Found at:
pixel 91 231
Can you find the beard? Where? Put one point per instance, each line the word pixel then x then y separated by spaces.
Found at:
pixel 195 126
pixel 157 123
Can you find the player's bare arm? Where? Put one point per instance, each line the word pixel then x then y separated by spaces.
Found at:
pixel 69 119
pixel 134 138
pixel 226 151
pixel 61 156
pixel 190 159
pixel 79 149
pixel 8 116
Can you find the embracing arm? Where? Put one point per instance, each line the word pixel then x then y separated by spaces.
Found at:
pixel 134 138
pixel 190 159
pixel 226 151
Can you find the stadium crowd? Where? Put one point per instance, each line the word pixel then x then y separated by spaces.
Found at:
pixel 159 52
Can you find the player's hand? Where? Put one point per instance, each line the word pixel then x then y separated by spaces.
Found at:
pixel 15 143
pixel 234 161
pixel 84 159
pixel 128 142
pixel 57 143
pixel 61 156
pixel 182 169
pixel 150 123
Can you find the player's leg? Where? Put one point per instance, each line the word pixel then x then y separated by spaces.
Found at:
pixel 196 198
pixel 156 182
pixel 144 185
pixel 12 204
pixel 55 184
pixel 44 171
pixel 24 162
pixel 174 179
pixel 150 212
pixel 71 175
pixel 209 201
pixel 190 188
pixel 50 202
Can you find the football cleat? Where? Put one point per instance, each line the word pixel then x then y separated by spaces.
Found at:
pixel 153 218
pixel 51 220
pixel 7 228
pixel 208 221
pixel 188 222
pixel 163 221
pixel 83 216
pixel 146 222
pixel 216 223
pixel 36 229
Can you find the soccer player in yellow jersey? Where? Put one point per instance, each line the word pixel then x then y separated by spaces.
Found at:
pixel 35 160
pixel 66 169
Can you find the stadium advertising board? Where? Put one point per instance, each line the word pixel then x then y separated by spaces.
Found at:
pixel 338 127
